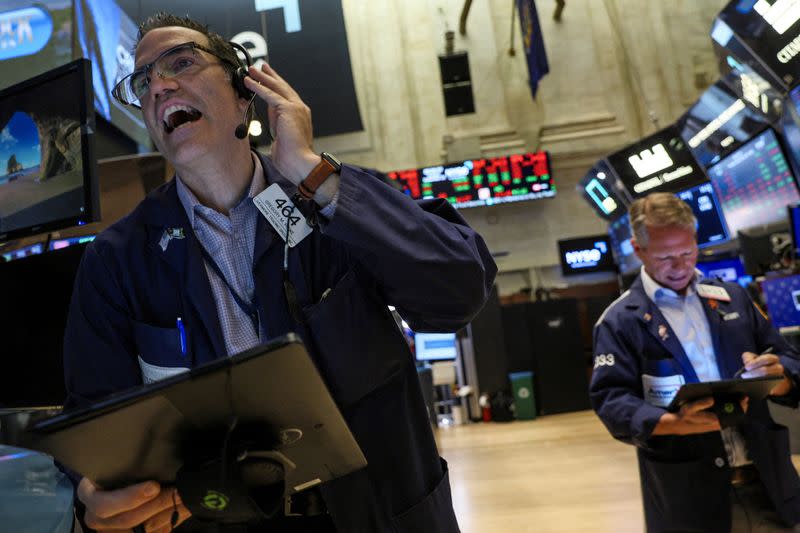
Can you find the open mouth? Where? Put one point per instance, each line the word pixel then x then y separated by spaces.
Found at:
pixel 176 116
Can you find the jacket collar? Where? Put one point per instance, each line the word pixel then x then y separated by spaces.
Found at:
pixel 654 322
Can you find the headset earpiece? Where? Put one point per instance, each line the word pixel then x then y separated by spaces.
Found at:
pixel 241 73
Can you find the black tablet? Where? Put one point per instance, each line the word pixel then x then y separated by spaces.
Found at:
pixel 141 434
pixel 755 388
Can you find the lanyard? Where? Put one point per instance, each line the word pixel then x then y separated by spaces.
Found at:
pixel 249 308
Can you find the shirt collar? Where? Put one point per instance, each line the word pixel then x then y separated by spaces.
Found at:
pixel 655 291
pixel 190 201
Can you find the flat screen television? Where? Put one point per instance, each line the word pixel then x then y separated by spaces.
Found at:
pixel 601 189
pixel 583 255
pixel 782 295
pixel 48 175
pixel 661 162
pixel 479 182
pixel 435 346
pixel 718 123
pixel 768 29
pixel 754 184
pixel 711 228
pixel 619 234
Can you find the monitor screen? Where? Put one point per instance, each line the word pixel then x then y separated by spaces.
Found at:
pixel 771 30
pixel 478 182
pixel 36 294
pixel 619 234
pixel 661 162
pixel 586 254
pixel 435 346
pixel 48 177
pixel 754 184
pixel 718 123
pixel 711 227
pixel 782 296
pixel 59 244
pixel 601 189
pixel 26 251
pixel 794 224
pixel 731 270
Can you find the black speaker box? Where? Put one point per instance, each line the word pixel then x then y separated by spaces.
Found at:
pixel 458 100
pixel 454 68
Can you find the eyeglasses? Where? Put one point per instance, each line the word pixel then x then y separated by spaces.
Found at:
pixel 170 63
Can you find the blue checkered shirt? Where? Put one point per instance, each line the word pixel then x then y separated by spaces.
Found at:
pixel 230 241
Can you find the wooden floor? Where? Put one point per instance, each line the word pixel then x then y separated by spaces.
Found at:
pixel 560 473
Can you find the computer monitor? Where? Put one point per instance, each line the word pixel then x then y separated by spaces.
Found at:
pixel 765 248
pixel 601 189
pixel 36 294
pixel 718 123
pixel 48 177
pixel 478 182
pixel 754 184
pixel 435 346
pixel 729 269
pixel 619 233
pixel 711 227
pixel 661 162
pixel 60 244
pixel 782 295
pixel 26 251
pixel 794 225
pixel 584 255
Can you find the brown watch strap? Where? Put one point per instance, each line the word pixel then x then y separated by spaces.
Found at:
pixel 318 175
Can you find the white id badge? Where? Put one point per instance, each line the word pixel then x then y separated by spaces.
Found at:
pixel 277 209
pixel 659 390
pixel 713 293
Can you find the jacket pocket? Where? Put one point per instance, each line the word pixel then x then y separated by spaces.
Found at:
pixel 433 513
pixel 356 364
pixel 684 496
pixel 160 354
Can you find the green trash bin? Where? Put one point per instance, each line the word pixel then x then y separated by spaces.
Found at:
pixel 524 403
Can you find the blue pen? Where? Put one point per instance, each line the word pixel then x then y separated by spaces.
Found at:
pixel 182 332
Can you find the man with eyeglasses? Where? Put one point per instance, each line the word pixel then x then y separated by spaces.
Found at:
pixel 674 327
pixel 195 273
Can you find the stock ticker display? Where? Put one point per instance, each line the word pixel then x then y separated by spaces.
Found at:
pixel 478 182
pixel 754 184
pixel 710 224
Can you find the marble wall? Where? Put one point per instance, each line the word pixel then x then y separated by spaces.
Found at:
pixel 619 69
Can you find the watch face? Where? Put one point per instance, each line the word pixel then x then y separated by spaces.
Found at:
pixel 332 160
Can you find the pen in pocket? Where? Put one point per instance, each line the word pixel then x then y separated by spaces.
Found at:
pixel 744 367
pixel 182 335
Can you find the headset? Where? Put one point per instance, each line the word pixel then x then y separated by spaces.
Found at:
pixel 241 89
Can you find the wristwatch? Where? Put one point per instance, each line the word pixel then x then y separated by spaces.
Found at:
pixel 327 166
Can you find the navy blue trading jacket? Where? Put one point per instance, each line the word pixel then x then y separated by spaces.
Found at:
pixel 686 479
pixel 381 248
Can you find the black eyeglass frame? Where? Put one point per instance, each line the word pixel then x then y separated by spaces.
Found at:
pixel 116 91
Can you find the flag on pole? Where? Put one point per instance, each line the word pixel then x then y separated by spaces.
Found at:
pixel 533 42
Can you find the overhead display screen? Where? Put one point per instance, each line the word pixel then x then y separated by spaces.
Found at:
pixel 586 254
pixel 771 29
pixel 718 123
pixel 478 182
pixel 601 189
pixel 711 228
pixel 619 234
pixel 661 162
pixel 754 184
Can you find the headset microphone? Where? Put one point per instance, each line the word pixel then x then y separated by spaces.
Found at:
pixel 241 129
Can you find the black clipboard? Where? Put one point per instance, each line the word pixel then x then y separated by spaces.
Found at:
pixel 755 388
pixel 137 435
